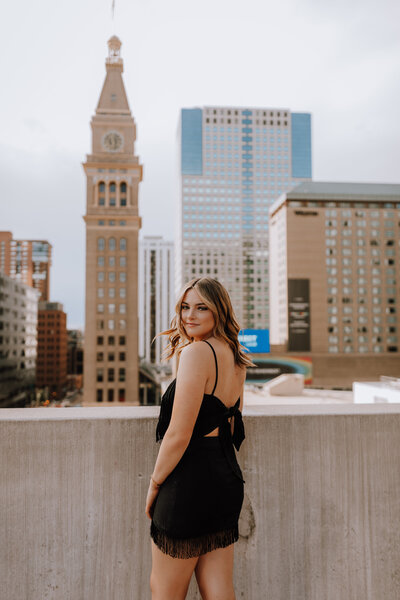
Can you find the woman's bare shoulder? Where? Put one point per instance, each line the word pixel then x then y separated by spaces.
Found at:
pixel 194 351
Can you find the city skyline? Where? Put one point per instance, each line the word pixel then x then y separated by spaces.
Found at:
pixel 343 72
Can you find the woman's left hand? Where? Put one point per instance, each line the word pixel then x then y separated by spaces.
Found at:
pixel 151 496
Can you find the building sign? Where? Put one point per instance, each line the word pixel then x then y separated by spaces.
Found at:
pixel 268 368
pixel 255 341
pixel 299 315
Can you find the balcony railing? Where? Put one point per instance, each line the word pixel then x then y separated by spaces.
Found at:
pixel 320 519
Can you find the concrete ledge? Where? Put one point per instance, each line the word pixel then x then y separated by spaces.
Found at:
pixel 320 519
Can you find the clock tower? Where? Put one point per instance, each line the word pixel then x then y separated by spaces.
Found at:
pixel 113 172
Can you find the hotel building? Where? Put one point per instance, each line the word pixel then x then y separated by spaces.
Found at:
pixel 334 278
pixel 112 222
pixel 234 163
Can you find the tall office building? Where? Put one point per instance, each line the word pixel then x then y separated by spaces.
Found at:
pixel 51 369
pixel 156 295
pixel 112 224
pixel 26 261
pixel 335 284
pixel 18 342
pixel 235 162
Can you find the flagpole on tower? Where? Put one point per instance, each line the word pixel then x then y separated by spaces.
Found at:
pixel 113 9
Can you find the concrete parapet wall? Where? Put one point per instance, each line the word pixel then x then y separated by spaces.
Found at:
pixel 320 520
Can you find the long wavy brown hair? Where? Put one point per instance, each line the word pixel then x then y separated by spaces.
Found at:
pixel 216 298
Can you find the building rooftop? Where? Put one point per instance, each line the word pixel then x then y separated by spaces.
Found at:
pixel 342 191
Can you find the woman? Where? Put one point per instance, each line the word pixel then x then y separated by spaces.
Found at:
pixel 196 489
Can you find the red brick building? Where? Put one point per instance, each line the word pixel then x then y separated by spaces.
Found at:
pixel 51 369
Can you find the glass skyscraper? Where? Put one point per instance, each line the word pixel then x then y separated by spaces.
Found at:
pixel 234 163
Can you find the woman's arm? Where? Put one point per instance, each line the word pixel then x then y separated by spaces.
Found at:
pixel 192 375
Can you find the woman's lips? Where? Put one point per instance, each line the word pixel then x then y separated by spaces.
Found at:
pixel 191 324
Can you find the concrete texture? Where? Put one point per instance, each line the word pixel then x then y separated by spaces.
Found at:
pixel 320 519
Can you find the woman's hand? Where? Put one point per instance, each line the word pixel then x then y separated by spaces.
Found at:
pixel 151 496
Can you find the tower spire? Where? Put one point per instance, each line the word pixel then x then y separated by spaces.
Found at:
pixel 113 98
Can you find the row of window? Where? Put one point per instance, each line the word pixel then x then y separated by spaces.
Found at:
pixel 111 261
pixel 112 244
pixel 111 292
pixel 110 395
pixel 111 309
pixel 110 357
pixel 111 223
pixel 112 276
pixel 110 374
pixel 111 340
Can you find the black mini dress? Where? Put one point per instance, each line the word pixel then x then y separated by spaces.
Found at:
pixel 198 505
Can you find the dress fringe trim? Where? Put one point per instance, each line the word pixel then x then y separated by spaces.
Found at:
pixel 192 547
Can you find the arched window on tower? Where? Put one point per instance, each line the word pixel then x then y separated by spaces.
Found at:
pixel 122 244
pixel 111 244
pixel 102 193
pixel 122 194
pixel 112 190
pixel 101 244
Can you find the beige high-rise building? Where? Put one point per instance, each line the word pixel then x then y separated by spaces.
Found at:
pixel 112 224
pixel 334 278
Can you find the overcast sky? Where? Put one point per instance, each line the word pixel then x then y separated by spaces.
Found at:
pixel 338 60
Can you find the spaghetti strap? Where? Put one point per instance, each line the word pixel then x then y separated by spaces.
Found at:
pixel 216 366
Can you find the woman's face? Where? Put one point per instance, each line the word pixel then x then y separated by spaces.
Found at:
pixel 196 317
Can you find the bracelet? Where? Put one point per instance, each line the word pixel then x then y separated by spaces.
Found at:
pixel 155 482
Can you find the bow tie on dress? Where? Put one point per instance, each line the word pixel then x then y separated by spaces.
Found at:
pixel 238 427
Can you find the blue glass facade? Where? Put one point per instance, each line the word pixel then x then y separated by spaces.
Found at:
pixel 192 141
pixel 301 145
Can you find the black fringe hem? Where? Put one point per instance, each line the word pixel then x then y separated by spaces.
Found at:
pixel 193 547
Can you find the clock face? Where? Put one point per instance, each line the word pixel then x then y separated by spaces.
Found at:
pixel 113 141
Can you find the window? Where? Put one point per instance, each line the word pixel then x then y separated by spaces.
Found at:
pixel 100 293
pixel 110 374
pixel 101 244
pixel 111 244
pixel 100 261
pixel 122 261
pixel 122 309
pixel 110 395
pixel 111 357
pixel 99 356
pixel 122 276
pixel 122 244
pixel 121 395
pixel 100 308
pixel 111 309
pixel 100 276
pixel 100 340
pixel 121 374
pixel 99 395
pixel 122 356
pixel 122 340
pixel 111 340
pixel 99 374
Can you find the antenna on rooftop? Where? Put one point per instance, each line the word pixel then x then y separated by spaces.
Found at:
pixel 113 9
